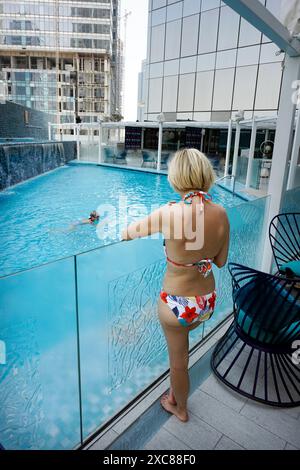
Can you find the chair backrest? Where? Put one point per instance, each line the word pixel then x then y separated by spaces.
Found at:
pixel 284 235
pixel 148 157
pixel 267 307
pixel 108 152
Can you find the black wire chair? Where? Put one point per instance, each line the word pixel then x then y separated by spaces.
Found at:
pixel 257 357
pixel 284 235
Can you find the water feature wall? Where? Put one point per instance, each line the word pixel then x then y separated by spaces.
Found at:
pixel 21 161
pixel 18 121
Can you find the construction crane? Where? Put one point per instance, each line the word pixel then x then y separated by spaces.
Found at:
pixel 57 65
pixel 125 19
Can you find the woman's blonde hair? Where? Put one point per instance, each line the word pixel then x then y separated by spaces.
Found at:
pixel 190 169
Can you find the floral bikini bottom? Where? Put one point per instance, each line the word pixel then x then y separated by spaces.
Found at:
pixel 190 310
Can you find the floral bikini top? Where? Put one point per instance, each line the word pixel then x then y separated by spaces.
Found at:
pixel 205 265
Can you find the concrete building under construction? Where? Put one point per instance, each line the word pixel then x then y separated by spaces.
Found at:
pixel 62 57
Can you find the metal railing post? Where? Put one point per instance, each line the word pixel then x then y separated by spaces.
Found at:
pixel 100 144
pixel 236 148
pixel 160 137
pixel 251 153
pixel 228 150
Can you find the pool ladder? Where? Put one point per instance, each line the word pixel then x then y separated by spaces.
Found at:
pixel 231 177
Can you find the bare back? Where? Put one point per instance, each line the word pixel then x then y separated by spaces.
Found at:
pixel 188 281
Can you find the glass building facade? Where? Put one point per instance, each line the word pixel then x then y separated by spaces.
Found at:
pixel 205 63
pixel 63 56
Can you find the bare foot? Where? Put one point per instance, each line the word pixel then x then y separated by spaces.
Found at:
pixel 165 403
pixel 171 398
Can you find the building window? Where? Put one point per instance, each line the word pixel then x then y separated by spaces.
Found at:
pixel 186 92
pixel 208 31
pixel 228 29
pixel 173 36
pixel 223 89
pixel 189 44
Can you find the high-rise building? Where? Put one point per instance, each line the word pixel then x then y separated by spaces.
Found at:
pixel 142 91
pixel 205 63
pixel 62 56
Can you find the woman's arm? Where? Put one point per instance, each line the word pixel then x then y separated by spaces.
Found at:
pixel 145 227
pixel 221 258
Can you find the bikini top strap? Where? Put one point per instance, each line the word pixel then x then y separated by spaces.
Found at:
pixel 188 198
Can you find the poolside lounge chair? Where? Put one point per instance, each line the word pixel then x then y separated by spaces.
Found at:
pixel 257 357
pixel 284 234
pixel 149 159
pixel 109 155
pixel 120 158
pixel 164 159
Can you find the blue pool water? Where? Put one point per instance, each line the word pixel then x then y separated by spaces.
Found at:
pixel 36 216
pixel 80 339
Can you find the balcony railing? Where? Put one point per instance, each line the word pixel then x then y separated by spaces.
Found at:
pixel 82 339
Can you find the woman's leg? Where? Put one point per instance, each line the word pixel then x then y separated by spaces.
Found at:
pixel 177 339
pixel 178 347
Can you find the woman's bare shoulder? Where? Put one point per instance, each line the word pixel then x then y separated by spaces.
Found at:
pixel 220 214
pixel 218 209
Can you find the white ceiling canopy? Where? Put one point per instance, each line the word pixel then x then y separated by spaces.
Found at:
pixel 262 19
pixel 290 15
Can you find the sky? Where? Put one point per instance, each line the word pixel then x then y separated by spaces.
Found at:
pixel 136 46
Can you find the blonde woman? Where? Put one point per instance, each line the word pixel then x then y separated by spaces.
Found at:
pixel 196 233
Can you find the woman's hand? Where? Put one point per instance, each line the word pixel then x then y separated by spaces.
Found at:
pixel 145 227
pixel 124 235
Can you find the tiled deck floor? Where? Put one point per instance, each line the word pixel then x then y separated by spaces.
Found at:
pixel 223 420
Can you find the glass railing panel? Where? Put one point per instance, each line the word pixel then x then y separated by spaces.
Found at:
pixel 122 347
pixel 260 172
pixel 89 146
pixel 39 388
pixel 241 169
pixel 291 201
pixel 247 236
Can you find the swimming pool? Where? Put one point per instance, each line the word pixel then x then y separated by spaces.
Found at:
pixel 35 216
pixel 79 336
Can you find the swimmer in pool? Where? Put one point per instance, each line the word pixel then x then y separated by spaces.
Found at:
pixel 93 219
